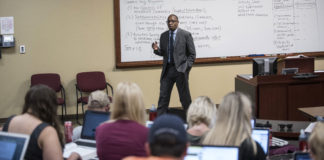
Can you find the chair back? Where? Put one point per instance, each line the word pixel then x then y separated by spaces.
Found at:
pixel 50 79
pixel 91 81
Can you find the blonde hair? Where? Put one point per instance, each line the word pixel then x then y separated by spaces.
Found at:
pixel 98 99
pixel 128 103
pixel 316 141
pixel 201 110
pixel 232 124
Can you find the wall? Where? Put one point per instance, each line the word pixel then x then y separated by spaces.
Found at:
pixel 71 36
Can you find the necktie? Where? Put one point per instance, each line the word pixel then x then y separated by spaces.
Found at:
pixel 171 48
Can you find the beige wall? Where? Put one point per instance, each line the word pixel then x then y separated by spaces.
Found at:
pixel 71 36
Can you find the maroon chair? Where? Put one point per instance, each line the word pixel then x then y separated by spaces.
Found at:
pixel 52 80
pixel 88 82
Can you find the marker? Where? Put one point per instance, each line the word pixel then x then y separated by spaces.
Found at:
pixel 255 55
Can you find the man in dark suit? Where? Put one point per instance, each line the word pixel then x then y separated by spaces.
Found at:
pixel 178 51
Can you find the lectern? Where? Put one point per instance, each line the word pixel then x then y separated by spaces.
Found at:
pixel 278 97
pixel 304 64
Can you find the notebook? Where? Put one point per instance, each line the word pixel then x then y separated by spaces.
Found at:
pixel 86 145
pixel 13 146
pixel 209 152
pixel 262 137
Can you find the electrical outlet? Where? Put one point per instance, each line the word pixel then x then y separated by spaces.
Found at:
pixel 22 49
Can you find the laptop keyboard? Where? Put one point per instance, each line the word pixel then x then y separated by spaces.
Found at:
pixel 87 144
pixel 278 142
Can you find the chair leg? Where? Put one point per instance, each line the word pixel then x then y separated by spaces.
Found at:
pixel 62 113
pixel 65 109
pixel 82 109
pixel 77 113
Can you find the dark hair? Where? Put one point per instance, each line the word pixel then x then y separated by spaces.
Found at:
pixel 174 16
pixel 165 144
pixel 41 102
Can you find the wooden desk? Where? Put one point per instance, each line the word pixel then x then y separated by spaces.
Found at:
pixel 278 97
pixel 286 135
pixel 312 112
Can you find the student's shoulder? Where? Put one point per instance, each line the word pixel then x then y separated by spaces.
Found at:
pixel 48 130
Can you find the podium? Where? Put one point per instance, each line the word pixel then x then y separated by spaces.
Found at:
pixel 278 97
pixel 304 64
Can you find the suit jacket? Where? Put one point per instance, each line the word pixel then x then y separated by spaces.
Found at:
pixel 184 53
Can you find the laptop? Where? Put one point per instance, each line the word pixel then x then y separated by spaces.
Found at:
pixel 302 156
pixel 253 122
pixel 149 124
pixel 13 146
pixel 86 145
pixel 210 152
pixel 262 137
pixel 91 121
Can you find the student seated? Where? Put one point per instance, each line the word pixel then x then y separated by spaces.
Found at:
pixel 233 127
pixel 39 120
pixel 167 140
pixel 200 117
pixel 97 101
pixel 316 142
pixel 125 133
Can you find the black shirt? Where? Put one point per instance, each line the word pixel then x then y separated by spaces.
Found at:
pixel 33 151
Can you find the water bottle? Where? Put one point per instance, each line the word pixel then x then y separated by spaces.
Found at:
pixel 153 113
pixel 303 141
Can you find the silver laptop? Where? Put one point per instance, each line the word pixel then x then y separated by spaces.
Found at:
pixel 253 123
pixel 262 137
pixel 209 152
pixel 149 124
pixel 13 145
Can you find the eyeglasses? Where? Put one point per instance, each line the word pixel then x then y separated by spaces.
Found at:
pixel 172 21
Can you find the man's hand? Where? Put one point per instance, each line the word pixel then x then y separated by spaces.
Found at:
pixel 155 46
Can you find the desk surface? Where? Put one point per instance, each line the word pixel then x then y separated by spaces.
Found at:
pixel 313 111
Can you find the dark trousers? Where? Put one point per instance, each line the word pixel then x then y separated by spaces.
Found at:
pixel 167 82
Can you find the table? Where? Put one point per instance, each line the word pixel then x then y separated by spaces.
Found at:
pixel 313 112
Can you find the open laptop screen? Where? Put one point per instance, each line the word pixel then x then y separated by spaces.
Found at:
pixel 252 123
pixel 262 137
pixel 208 152
pixel 302 156
pixel 13 146
pixel 92 119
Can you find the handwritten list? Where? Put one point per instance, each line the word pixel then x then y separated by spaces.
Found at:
pixel 224 27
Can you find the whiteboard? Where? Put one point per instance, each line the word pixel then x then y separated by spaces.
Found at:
pixel 222 28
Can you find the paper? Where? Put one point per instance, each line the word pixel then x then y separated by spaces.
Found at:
pixel 84 152
pixel 7 25
pixel 310 127
pixel 298 56
pixel 8 38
